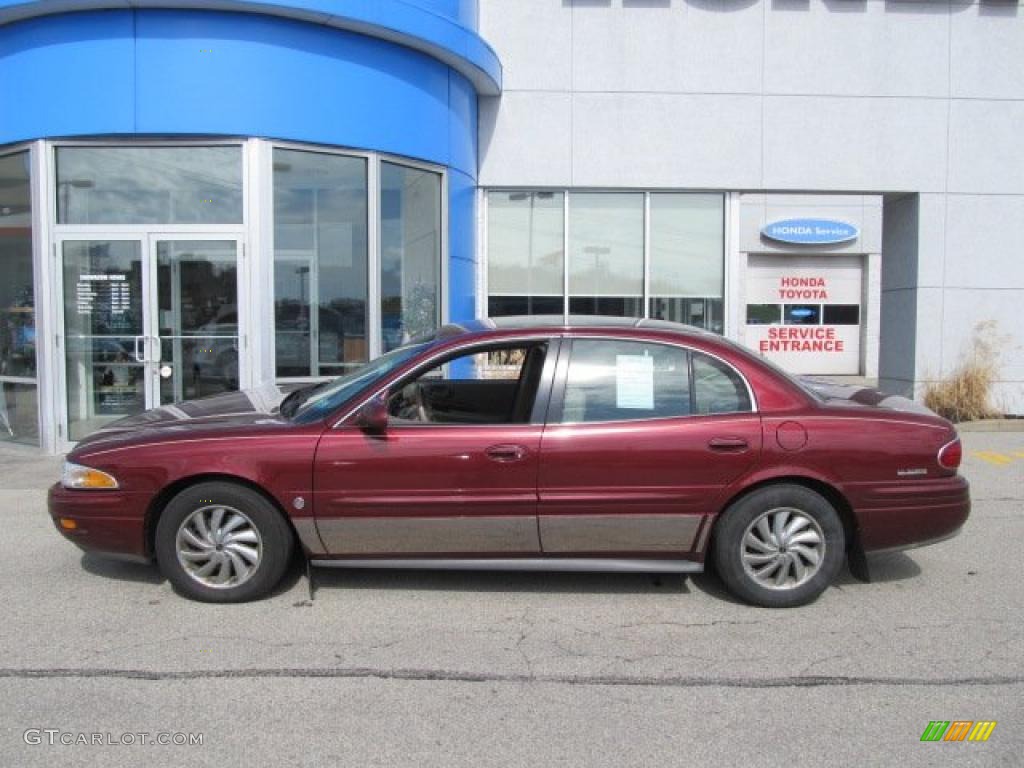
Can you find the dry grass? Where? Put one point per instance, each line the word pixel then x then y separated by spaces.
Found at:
pixel 966 394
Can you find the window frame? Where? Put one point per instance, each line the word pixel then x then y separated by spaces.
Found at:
pixel 646 298
pixel 541 402
pixel 557 402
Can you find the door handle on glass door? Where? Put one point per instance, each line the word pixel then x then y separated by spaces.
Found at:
pixel 728 444
pixel 505 453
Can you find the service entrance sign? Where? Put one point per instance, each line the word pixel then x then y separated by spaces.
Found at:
pixel 804 312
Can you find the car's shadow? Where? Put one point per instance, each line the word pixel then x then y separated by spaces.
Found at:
pixel 499 581
pixel 121 570
pixel 884 568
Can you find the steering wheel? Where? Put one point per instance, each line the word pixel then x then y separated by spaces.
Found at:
pixel 412 406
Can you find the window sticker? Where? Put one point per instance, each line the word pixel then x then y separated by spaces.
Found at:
pixel 634 382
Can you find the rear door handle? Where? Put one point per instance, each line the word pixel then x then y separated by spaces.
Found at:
pixel 728 444
pixel 505 453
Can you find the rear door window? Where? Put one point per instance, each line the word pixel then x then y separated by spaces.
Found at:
pixel 616 380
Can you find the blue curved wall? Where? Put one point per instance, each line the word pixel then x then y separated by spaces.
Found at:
pixel 158 72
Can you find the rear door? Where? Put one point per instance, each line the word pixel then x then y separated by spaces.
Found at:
pixel 641 442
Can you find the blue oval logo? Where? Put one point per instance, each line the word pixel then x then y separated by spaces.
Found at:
pixel 810 231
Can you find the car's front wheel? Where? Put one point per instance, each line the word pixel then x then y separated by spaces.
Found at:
pixel 780 546
pixel 222 543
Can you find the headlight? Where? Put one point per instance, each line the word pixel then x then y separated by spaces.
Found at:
pixel 77 477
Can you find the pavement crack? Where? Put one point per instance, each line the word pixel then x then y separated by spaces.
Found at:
pixel 457 676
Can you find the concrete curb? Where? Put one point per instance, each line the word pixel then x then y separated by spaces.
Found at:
pixel 991 425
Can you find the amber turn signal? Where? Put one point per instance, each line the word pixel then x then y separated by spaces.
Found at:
pixel 68 524
pixel 77 477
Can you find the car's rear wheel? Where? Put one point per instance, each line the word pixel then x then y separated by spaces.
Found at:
pixel 780 546
pixel 222 543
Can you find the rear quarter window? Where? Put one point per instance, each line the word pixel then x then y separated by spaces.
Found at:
pixel 717 388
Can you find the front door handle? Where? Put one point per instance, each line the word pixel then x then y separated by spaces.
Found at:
pixel 506 453
pixel 728 444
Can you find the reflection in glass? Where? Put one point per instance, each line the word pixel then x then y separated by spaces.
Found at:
pixel 197 292
pixel 410 243
pixel 841 314
pixel 687 259
pixel 764 314
pixel 802 314
pixel 19 413
pixel 623 380
pixel 525 253
pixel 320 260
pixel 18 407
pixel 606 253
pixel 149 185
pixel 102 331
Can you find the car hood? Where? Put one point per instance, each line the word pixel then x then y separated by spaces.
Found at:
pixel 243 408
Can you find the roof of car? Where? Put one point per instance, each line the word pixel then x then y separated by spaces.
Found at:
pixel 518 322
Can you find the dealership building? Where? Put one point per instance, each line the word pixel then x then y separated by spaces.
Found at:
pixel 207 195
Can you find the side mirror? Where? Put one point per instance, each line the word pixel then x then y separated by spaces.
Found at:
pixel 373 416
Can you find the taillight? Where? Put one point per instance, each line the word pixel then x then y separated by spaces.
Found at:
pixel 951 454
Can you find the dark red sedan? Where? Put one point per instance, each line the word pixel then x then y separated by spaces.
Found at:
pixel 601 445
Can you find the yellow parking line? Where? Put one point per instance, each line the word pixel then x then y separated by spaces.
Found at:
pixel 999 459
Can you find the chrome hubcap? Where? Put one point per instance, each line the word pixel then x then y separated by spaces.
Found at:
pixel 219 546
pixel 783 548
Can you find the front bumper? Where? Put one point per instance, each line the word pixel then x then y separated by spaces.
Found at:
pixel 111 522
pixel 911 514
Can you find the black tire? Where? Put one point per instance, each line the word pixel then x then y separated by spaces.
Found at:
pixel 274 535
pixel 730 551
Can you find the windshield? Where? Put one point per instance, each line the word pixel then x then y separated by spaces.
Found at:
pixel 327 397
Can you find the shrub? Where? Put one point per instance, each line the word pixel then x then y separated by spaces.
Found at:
pixel 965 395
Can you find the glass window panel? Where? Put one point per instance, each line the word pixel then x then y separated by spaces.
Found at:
pixel 764 314
pixel 19 413
pixel 841 314
pixel 687 244
pixel 606 244
pixel 102 328
pixel 17 296
pixel 687 258
pixel 802 314
pixel 525 245
pixel 149 185
pixel 320 263
pixel 703 313
pixel 505 306
pixel 718 388
pixel 621 380
pixel 410 252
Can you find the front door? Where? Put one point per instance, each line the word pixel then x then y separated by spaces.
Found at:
pixel 453 474
pixel 147 321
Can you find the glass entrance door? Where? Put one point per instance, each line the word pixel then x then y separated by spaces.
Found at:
pixel 147 321
pixel 197 323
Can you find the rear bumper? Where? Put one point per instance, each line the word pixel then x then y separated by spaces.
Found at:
pixel 911 514
pixel 109 522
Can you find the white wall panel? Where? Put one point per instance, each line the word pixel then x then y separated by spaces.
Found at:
pixel 680 47
pixel 854 143
pixel 656 140
pixel 987 51
pixel 525 139
pixel 533 39
pixel 857 48
pixel 985 146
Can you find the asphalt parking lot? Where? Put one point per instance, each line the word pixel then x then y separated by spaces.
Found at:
pixel 451 669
